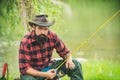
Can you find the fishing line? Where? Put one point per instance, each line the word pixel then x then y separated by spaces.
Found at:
pixel 91 36
pixel 85 48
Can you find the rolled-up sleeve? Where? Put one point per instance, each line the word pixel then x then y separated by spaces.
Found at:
pixel 24 58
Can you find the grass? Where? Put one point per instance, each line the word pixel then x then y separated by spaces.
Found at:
pixel 100 70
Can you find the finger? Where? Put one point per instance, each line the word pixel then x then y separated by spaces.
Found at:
pixel 66 65
pixel 72 66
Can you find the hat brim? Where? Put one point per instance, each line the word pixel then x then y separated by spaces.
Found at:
pixel 44 25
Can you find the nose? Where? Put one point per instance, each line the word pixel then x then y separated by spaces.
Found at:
pixel 42 31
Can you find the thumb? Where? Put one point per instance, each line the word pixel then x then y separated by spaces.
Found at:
pixel 53 70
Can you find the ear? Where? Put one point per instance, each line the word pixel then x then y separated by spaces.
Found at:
pixel 33 26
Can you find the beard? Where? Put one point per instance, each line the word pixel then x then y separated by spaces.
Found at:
pixel 41 39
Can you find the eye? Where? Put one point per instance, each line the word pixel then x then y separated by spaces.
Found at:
pixel 40 28
pixel 46 29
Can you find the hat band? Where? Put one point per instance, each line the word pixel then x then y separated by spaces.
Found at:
pixel 38 22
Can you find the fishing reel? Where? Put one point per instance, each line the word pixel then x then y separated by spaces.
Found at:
pixel 59 74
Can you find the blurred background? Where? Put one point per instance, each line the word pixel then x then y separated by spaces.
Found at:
pixel 75 21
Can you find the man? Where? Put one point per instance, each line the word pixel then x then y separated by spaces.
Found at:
pixel 36 50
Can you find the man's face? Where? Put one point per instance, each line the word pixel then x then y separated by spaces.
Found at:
pixel 41 35
pixel 41 30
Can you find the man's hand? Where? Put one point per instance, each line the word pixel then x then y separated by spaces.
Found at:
pixel 69 62
pixel 50 74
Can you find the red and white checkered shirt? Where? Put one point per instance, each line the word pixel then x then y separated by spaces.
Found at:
pixel 32 55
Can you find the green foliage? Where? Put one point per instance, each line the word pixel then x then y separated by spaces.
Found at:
pixel 9 20
pixel 10 24
pixel 53 11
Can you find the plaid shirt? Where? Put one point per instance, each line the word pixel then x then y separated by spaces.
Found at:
pixel 32 55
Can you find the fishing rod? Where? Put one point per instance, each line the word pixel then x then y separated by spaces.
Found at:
pixel 91 36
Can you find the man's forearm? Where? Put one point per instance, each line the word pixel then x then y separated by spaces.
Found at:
pixel 34 72
pixel 48 75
